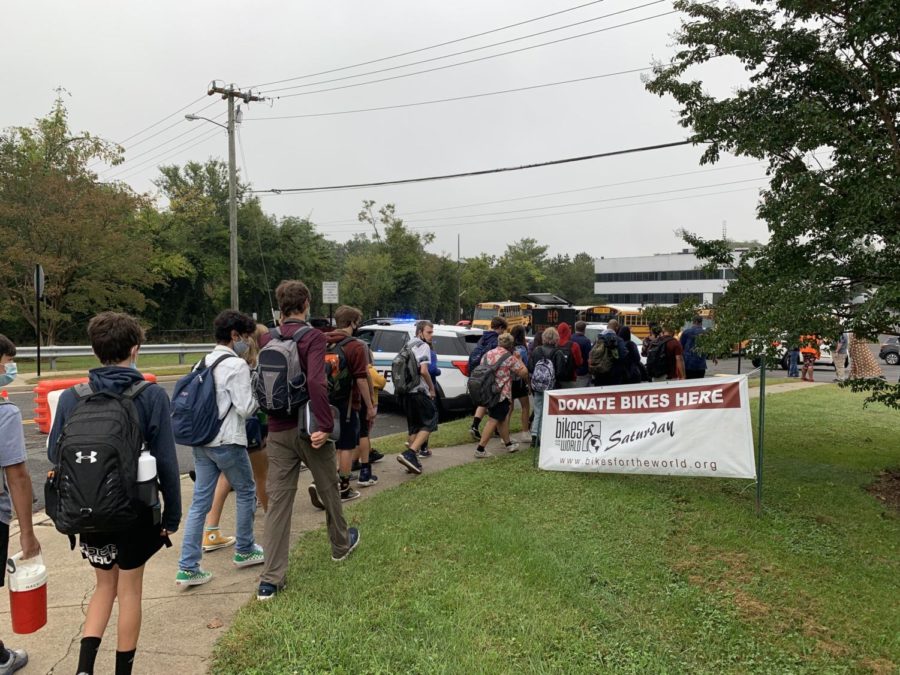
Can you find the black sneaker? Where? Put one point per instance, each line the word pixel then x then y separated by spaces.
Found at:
pixel 410 461
pixel 366 477
pixel 375 456
pixel 193 475
pixel 314 498
pixel 424 452
pixel 349 494
pixel 475 433
pixel 267 591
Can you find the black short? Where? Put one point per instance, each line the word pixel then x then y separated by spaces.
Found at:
pixel 500 411
pixel 519 389
pixel 421 413
pixel 363 426
pixel 349 437
pixel 129 550
pixel 4 549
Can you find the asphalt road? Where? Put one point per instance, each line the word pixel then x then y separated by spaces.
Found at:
pixel 388 422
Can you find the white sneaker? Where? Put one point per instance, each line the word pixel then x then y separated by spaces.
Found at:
pixel 512 447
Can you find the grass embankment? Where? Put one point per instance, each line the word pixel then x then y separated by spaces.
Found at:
pixel 159 364
pixel 497 567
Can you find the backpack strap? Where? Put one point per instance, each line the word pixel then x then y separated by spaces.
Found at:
pixel 297 336
pixel 135 389
pixel 82 390
pixel 500 361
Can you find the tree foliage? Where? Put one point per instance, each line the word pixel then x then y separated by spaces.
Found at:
pixel 822 107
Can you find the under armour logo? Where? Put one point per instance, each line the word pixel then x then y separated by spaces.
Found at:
pixel 91 456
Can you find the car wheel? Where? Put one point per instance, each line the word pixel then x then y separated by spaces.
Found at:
pixel 756 362
pixel 786 362
pixel 892 358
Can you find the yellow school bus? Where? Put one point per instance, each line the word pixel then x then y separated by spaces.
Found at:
pixel 485 311
pixel 627 315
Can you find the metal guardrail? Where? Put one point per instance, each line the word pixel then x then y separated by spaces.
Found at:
pixel 55 352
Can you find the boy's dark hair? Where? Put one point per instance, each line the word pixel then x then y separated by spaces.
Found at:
pixel 113 335
pixel 345 315
pixel 422 325
pixel 697 321
pixel 498 323
pixel 518 333
pixel 580 326
pixel 7 348
pixel 230 320
pixel 292 297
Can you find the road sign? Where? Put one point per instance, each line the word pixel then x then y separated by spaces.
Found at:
pixel 330 292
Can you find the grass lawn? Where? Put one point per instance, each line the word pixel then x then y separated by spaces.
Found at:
pixel 496 567
pixel 151 363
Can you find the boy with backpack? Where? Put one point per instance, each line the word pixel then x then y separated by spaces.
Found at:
pixel 291 388
pixel 543 364
pixel 410 373
pixel 15 489
pixel 570 360
pixel 665 357
pixel 83 442
pixel 224 396
pixel 486 343
pixel 494 379
pixel 346 366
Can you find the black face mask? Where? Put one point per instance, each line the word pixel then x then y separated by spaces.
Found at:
pixel 355 331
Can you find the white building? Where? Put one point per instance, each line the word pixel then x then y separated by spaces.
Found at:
pixel 662 279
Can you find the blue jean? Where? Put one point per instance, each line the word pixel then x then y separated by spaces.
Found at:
pixel 793 364
pixel 538 399
pixel 232 460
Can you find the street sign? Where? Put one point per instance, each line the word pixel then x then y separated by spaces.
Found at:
pixel 39 281
pixel 330 292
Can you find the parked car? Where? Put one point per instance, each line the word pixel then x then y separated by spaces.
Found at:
pixel 594 329
pixel 784 357
pixel 890 351
pixel 453 344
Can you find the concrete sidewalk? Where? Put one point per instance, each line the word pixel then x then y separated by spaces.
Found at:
pixel 179 627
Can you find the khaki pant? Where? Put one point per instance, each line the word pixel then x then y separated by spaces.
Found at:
pixel 839 371
pixel 286 451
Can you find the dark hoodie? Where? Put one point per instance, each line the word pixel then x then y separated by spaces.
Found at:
pixel 156 426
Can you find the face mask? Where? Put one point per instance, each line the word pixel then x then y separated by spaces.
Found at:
pixel 240 347
pixel 11 372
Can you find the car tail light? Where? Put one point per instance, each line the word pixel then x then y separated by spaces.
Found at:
pixel 462 366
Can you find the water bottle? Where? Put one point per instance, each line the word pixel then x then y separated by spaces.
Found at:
pixel 147 486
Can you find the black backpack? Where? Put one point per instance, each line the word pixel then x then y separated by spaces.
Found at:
pixel 482 384
pixel 280 384
pixel 93 488
pixel 565 370
pixel 657 357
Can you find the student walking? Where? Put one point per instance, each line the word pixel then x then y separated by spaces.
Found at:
pixel 694 359
pixel 506 363
pixel 582 375
pixel 665 357
pixel 486 343
pixel 15 489
pixel 543 363
pixel 118 557
pixel 226 453
pixel 571 361
pixel 520 392
pixel 288 448
pixel 421 412
pixel 809 350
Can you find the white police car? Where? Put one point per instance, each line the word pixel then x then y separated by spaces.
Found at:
pixel 453 344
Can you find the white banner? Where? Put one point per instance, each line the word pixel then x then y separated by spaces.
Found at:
pixel 683 428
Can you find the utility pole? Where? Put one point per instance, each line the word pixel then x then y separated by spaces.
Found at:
pixel 230 93
pixel 458 281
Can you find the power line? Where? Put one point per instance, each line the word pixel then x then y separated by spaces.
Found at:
pixel 592 201
pixel 476 60
pixel 171 152
pixel 423 49
pixel 569 213
pixel 483 172
pixel 447 100
pixel 192 131
pixel 466 51
pixel 135 135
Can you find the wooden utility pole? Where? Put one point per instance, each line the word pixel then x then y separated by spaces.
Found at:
pixel 229 93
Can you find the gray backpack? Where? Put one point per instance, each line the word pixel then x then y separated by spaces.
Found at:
pixel 280 384
pixel 405 373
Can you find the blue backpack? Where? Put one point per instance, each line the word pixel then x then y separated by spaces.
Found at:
pixel 195 413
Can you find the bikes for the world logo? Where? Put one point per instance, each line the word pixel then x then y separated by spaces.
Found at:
pixel 578 435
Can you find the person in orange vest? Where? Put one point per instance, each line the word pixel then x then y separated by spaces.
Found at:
pixel 809 350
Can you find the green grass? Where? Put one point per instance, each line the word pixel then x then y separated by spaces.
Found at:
pixel 496 567
pixel 164 363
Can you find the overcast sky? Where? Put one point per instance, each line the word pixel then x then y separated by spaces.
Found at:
pixel 128 65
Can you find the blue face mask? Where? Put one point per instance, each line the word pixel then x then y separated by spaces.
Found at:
pixel 10 374
pixel 240 347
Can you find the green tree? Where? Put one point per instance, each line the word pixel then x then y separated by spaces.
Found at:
pixel 571 278
pixel 88 236
pixel 822 106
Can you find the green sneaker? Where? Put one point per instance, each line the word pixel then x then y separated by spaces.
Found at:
pixel 188 578
pixel 254 557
